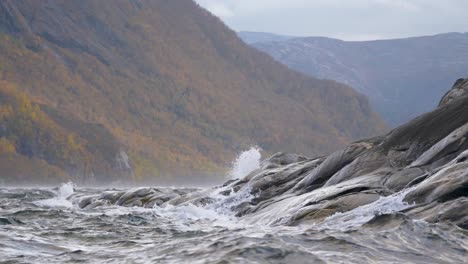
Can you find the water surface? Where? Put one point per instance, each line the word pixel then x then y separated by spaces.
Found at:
pixel 47 226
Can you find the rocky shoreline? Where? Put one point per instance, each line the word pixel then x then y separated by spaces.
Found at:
pixel 423 163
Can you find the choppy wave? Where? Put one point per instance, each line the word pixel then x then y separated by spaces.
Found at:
pixel 52 233
pixel 239 222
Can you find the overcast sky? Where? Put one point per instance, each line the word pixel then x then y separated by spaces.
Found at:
pixel 344 19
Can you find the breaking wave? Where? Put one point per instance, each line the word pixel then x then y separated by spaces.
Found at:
pixel 245 163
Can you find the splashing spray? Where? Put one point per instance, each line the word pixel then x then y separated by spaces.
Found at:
pixel 245 163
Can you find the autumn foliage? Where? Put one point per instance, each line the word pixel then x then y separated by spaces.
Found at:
pixel 175 88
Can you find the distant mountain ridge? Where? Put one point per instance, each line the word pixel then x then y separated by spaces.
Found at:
pixel 259 37
pixel 395 74
pixel 176 90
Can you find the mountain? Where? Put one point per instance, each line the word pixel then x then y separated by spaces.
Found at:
pixel 258 37
pixel 153 89
pixel 402 77
pixel 39 141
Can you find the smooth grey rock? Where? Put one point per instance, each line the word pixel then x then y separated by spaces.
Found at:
pixel 368 163
pixel 450 144
pixel 459 89
pixel 316 213
pixel 281 159
pixel 448 183
pixel 400 179
pixel 332 164
pixel 453 211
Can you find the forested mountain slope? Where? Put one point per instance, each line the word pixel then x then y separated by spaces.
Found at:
pixel 175 88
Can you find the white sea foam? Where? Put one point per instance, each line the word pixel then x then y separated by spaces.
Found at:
pixel 60 200
pixel 216 213
pixel 357 217
pixel 223 204
pixel 245 163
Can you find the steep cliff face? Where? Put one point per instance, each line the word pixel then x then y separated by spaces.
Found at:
pixel 393 73
pixel 176 88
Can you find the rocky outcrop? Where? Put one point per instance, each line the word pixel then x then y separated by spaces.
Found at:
pixel 419 169
pixel 460 88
